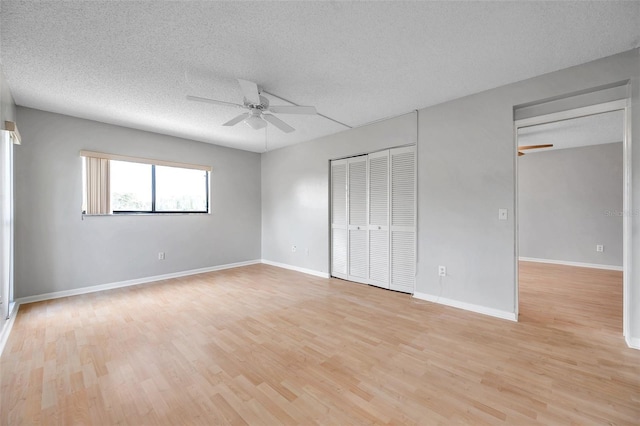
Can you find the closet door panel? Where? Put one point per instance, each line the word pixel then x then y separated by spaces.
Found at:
pixel 357 255
pixel 339 252
pixel 379 189
pixel 358 191
pixel 339 193
pixel 403 260
pixel 403 200
pixel 379 258
pixel 357 213
pixel 403 219
pixel 339 232
pixel 379 219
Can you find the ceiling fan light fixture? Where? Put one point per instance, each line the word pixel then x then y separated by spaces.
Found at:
pixel 255 122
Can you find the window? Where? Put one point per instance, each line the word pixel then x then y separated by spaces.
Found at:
pixel 116 184
pixel 131 186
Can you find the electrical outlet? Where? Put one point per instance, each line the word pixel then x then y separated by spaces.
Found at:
pixel 294 248
pixel 503 214
pixel 599 248
pixel 442 271
pixel 161 255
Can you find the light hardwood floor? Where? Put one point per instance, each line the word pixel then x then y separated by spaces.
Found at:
pixel 263 345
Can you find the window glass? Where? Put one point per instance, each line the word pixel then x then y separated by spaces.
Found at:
pixel 180 190
pixel 131 186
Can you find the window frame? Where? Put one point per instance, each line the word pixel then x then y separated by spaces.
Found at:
pixel 114 157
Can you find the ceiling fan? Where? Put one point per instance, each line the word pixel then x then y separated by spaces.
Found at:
pixel 526 147
pixel 258 107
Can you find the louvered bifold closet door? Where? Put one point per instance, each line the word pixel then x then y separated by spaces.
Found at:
pixel 357 214
pixel 339 237
pixel 403 218
pixel 379 219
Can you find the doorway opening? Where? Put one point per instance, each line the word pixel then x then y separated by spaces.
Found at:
pixel 572 233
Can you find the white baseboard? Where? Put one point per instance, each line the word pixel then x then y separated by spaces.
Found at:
pixel 296 268
pixel 127 283
pixel 511 316
pixel 7 326
pixel 633 342
pixel 569 263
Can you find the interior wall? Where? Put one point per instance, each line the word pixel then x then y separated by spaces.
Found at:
pixel 466 162
pixel 56 249
pixel 570 200
pixel 295 189
pixel 467 158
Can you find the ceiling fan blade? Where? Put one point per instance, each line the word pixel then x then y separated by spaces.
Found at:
pixel 289 109
pixel 213 101
pixel 238 119
pixel 278 123
pixel 548 145
pixel 250 91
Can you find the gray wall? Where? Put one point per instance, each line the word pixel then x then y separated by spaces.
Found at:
pixel 295 189
pixel 466 159
pixel 57 250
pixel 466 162
pixel 564 196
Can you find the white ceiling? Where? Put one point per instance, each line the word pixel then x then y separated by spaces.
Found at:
pixel 584 131
pixel 124 62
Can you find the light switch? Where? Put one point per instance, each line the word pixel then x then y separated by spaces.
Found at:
pixel 502 214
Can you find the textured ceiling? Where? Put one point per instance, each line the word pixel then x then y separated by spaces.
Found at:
pixel 125 62
pixel 584 131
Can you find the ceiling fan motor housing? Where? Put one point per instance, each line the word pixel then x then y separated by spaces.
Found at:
pixel 264 104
